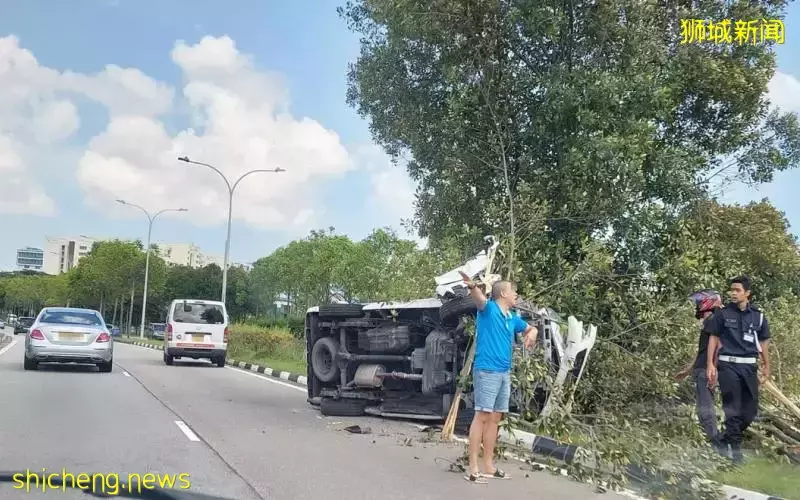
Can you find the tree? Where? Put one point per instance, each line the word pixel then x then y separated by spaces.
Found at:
pixel 593 112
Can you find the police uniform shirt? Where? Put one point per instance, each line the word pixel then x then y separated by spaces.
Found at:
pixel 739 331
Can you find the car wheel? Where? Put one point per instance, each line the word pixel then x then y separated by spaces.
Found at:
pixel 168 359
pixel 29 364
pixel 323 359
pixel 220 361
pixel 330 407
pixel 106 367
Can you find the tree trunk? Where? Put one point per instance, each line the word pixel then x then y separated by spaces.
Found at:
pixel 130 311
pixel 114 317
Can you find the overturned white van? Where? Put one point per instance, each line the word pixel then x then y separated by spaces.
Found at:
pixel 403 359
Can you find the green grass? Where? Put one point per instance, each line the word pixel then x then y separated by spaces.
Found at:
pixel 765 476
pixel 283 365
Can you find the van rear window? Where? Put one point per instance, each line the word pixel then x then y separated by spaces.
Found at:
pixel 211 314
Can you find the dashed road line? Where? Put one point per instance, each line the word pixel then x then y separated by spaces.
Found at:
pixel 187 430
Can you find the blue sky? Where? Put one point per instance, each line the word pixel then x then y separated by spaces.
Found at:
pixel 233 68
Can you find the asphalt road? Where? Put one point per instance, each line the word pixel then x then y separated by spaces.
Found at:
pixel 237 435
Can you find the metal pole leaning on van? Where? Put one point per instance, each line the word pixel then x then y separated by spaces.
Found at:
pixel 150 220
pixel 231 189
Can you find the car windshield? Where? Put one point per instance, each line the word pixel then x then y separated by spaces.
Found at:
pixel 199 313
pixel 71 318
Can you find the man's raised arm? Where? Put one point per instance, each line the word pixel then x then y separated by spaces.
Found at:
pixel 474 291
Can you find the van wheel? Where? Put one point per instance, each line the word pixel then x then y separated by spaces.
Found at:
pixel 323 359
pixel 341 310
pixel 168 359
pixel 220 361
pixel 452 310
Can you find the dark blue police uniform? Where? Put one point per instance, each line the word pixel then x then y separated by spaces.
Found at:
pixel 740 333
pixel 704 395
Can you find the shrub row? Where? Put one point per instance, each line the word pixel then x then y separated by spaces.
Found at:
pixel 270 342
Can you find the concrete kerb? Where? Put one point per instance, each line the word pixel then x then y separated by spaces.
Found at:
pixel 545 447
pixel 252 367
pixel 539 446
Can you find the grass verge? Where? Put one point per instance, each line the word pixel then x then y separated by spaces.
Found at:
pixel 765 476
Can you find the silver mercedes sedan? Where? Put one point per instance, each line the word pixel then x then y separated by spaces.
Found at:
pixel 69 335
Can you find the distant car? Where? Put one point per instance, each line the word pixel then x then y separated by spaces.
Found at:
pixel 23 324
pixel 158 330
pixel 112 329
pixel 69 335
pixel 2 324
pixel 196 329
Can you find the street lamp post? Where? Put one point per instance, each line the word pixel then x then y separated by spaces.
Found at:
pixel 150 219
pixel 231 189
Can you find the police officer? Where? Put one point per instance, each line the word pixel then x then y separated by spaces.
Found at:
pixel 706 302
pixel 741 334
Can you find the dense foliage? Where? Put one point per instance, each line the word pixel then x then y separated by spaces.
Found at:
pixel 321 268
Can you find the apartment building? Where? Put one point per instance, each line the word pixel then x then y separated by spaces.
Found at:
pixel 187 254
pixel 62 254
pixel 30 258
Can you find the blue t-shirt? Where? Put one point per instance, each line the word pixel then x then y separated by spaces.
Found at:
pixel 496 333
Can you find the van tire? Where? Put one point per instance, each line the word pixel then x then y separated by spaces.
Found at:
pixel 341 310
pixel 220 361
pixel 330 407
pixel 169 359
pixel 323 359
pixel 452 310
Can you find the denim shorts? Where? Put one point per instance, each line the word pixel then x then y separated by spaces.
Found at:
pixel 492 391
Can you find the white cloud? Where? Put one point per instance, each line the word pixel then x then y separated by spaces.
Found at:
pixel 392 192
pixel 37 113
pixel 122 90
pixel 241 121
pixel 784 92
pixel 30 114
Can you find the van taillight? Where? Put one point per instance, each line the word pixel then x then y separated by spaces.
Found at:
pixel 169 331
pixel 225 336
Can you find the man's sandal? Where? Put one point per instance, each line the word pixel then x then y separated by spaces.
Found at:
pixel 476 478
pixel 498 474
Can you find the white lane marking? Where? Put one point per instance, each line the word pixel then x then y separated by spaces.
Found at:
pixel 9 346
pixel 270 380
pixel 126 374
pixel 186 430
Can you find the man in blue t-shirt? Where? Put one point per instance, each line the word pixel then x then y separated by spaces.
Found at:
pixel 495 332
